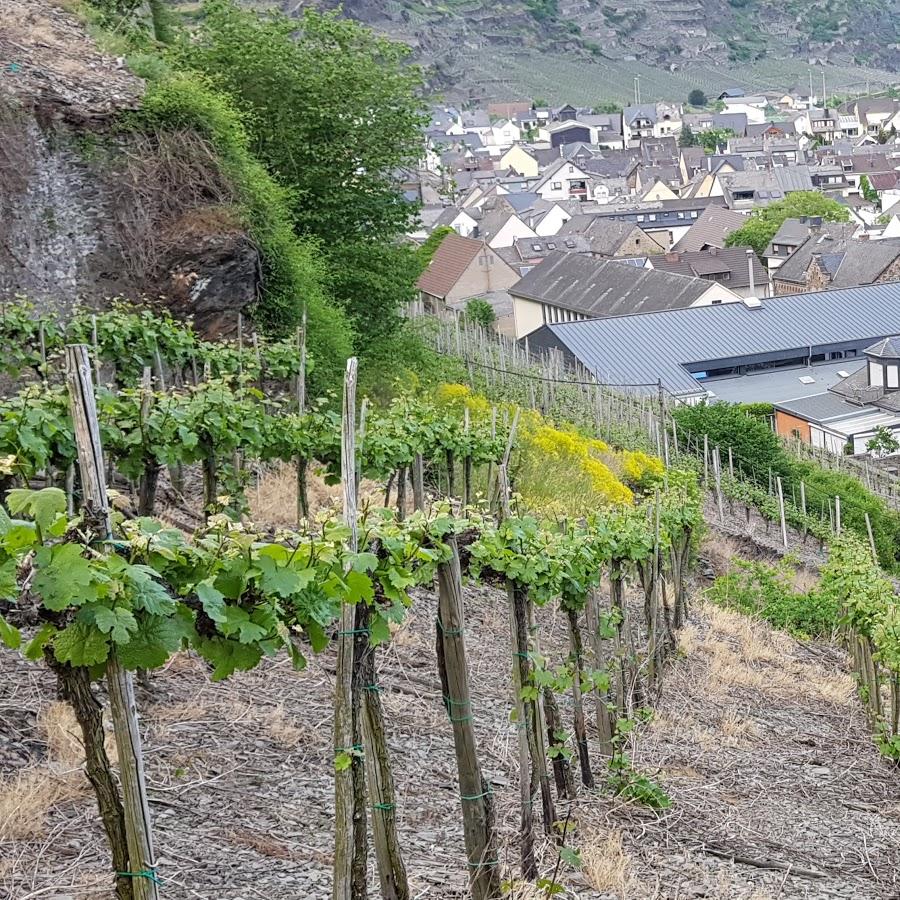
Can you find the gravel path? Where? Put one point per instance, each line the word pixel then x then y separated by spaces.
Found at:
pixel 758 740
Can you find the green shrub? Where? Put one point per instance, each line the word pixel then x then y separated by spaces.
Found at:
pixel 768 592
pixel 754 445
pixel 481 312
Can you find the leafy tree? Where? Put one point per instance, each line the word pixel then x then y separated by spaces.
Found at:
pixel 727 425
pixel 333 111
pixel 687 138
pixel 432 242
pixel 478 310
pixel 607 107
pixel 868 192
pixel 697 98
pixel 710 140
pixel 764 222
pixel 883 442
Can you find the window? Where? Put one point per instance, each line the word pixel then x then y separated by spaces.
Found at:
pixel 717 302
pixel 876 374
pixel 637 242
pixel 551 246
pixel 571 169
pixel 555 185
pixel 892 379
pixel 640 218
pixel 652 217
pixel 693 213
pixel 681 215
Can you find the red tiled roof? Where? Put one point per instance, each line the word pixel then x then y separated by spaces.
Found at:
pixel 450 260
pixel 883 181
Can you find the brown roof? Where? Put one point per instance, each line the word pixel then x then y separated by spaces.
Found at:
pixel 450 260
pixel 710 229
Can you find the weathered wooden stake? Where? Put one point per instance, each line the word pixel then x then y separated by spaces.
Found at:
pixel 122 705
pixel 784 535
pixel 343 699
pixel 475 792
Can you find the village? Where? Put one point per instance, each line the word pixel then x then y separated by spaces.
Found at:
pixel 737 248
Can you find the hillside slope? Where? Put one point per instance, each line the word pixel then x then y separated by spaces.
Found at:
pixel 476 48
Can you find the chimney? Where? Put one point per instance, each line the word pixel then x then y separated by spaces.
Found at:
pixel 713 251
pixel 863 237
pixel 750 269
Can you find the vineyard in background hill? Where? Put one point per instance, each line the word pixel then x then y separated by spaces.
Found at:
pixel 500 494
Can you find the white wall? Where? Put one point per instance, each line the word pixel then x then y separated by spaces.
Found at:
pixel 513 229
pixel 552 222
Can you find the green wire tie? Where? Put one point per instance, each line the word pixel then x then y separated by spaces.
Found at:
pixel 355 631
pixel 384 807
pixel 460 718
pixel 355 748
pixel 149 874
pixel 453 702
pixel 488 793
pixel 373 687
pixel 520 654
pixel 484 865
pixel 449 632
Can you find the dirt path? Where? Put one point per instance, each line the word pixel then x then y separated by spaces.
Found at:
pixel 758 740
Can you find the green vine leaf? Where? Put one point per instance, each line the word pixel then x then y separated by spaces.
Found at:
pixel 80 645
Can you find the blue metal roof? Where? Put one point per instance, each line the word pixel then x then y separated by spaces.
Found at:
pixel 641 349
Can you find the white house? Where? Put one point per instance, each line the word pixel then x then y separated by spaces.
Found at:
pixel 650 120
pixel 564 180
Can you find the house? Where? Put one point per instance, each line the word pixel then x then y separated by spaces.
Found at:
pixel 710 229
pixel 731 93
pixel 737 268
pixel 504 134
pixel 658 190
pixel 811 266
pixel 768 351
pixel 461 221
pixel 650 120
pixel 791 234
pixel 847 415
pixel 609 238
pixel 507 109
pixel 568 287
pixel 520 160
pixel 527 253
pixel 876 115
pixel 667 221
pixel 709 121
pixel 564 180
pixel 754 108
pixel 461 269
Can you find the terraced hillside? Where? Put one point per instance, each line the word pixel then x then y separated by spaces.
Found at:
pixel 582 50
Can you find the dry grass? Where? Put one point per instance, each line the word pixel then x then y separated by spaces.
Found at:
pixel 282 729
pixel 273 500
pixel 27 797
pixel 744 653
pixel 62 733
pixel 607 866
pixel 738 729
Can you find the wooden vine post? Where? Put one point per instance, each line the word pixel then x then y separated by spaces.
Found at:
pixel 346 868
pixel 528 781
pixel 123 709
pixel 302 463
pixel 475 792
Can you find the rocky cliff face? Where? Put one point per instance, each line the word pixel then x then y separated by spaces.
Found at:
pixel 88 212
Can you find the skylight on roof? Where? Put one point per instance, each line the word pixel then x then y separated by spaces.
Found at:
pixel 807 379
pixel 536 247
pixel 843 374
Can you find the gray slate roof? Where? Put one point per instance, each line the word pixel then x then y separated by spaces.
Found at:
pixel 606 287
pixel 824 407
pixel 732 262
pixel 833 238
pixel 639 349
pixel 864 261
pixel 889 348
pixel 710 229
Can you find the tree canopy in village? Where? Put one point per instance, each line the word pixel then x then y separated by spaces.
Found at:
pixel 764 222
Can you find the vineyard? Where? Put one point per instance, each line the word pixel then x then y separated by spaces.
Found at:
pixel 558 516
